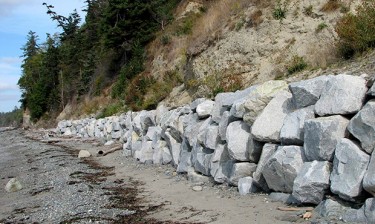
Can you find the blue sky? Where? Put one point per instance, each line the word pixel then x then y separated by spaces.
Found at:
pixel 17 18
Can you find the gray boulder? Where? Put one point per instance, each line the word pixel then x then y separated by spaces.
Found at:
pixel 369 178
pixel 241 145
pixel 292 132
pixel 371 91
pixel 330 209
pixel 267 151
pixel 342 94
pixel 204 109
pixel 349 167
pixel 146 153
pixel 219 155
pixel 322 135
pixel 362 126
pixel 307 92
pixel 246 186
pixel 158 147
pixel 282 168
pixel 212 137
pixel 240 170
pixel 195 104
pixel 185 158
pixel 173 145
pixel 366 214
pixel 223 172
pixel 226 119
pixel 258 99
pixel 312 182
pixel 268 124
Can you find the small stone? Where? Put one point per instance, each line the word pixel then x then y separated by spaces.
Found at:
pixel 197 188
pixel 84 154
pixel 13 185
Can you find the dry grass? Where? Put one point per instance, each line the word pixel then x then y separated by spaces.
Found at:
pixel 331 6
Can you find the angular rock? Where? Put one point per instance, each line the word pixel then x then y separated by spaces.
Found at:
pixel 240 170
pixel 292 132
pixel 173 145
pixel 146 152
pixel 223 171
pixel 362 126
pixel 185 158
pixel 238 108
pixel 246 186
pixel 222 104
pixel 203 130
pixel 195 103
pixel 330 209
pixel 226 119
pixel 238 139
pixel 160 111
pixel 212 137
pixel 258 99
pixel 307 92
pixel 13 185
pixel 166 155
pixel 371 91
pixel 342 94
pixel 158 146
pixel 153 133
pixel 366 214
pixel 267 151
pixel 268 124
pixel 322 135
pixel 312 182
pixel 349 167
pixel 282 168
pixel 369 178
pixel 204 109
pixel 284 198
pixel 84 154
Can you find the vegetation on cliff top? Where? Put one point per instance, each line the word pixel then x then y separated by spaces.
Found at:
pixel 107 54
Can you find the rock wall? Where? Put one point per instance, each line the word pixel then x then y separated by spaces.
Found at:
pixel 307 139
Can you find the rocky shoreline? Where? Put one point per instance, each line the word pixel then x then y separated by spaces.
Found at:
pixel 311 140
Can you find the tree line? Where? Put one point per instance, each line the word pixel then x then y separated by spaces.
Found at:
pixel 82 60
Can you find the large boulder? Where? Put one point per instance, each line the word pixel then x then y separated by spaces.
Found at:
pixel 322 135
pixel 366 214
pixel 226 119
pixel 312 182
pixel 224 101
pixel 330 209
pixel 185 158
pixel 212 137
pixel 342 94
pixel 240 170
pixel 369 178
pixel 268 124
pixel 282 168
pixel 260 97
pixel 349 167
pixel 292 132
pixel 307 92
pixel 173 145
pixel 362 126
pixel 241 145
pixel 204 109
pixel 258 178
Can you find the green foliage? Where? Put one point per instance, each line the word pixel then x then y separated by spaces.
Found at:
pixel 185 27
pixel 165 39
pixel 297 64
pixel 357 32
pixel 12 118
pixel 85 59
pixel 320 27
pixel 110 110
pixel 279 12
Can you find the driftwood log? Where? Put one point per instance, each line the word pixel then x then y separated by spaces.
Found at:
pixel 295 208
pixel 103 152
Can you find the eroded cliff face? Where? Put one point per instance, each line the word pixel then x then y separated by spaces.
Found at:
pixel 246 41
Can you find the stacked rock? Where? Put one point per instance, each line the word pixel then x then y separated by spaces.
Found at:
pixel 307 139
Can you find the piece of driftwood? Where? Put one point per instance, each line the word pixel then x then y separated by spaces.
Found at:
pixel 288 209
pixel 103 152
